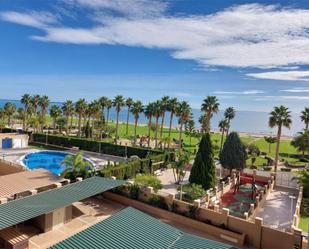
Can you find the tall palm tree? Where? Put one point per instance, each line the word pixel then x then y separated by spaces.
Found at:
pixel 157 113
pixel 183 114
pixel 103 102
pixel 26 101
pixel 137 108
pixel 305 117
pixel 118 102
pixel 229 114
pixel 164 108
pixel 210 106
pixel 279 117
pixel 43 103
pixel 35 100
pixel 9 110
pixel 68 110
pixel 149 112
pixel 95 112
pixel 223 125
pixel 301 142
pixel 172 108
pixel 55 112
pixel 109 105
pixel 80 108
pixel 129 103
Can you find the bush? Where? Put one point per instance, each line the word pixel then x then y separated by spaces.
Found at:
pixel 148 181
pixel 285 169
pixel 134 190
pixel 158 201
pixel 192 191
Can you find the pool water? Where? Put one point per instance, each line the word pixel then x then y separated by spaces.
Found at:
pixel 50 160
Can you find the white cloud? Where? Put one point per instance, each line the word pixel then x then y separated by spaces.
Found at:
pixel 296 90
pixel 282 75
pixel 246 92
pixel 282 98
pixel 182 94
pixel 242 36
pixel 34 18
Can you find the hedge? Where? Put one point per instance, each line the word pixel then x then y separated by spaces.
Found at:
pixel 91 145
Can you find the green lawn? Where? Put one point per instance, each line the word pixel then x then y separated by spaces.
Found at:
pixel 304 223
pixel 258 163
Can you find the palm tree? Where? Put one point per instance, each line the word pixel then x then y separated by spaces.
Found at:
pixel 35 100
pixel 75 166
pixel 183 113
pixel 270 140
pixel 2 117
pixel 137 108
pixel 229 114
pixel 118 103
pixel 80 108
pixel 129 103
pixel 157 113
pixel 103 102
pixel 21 114
pixel 164 108
pixel 9 110
pixel 301 142
pixel 279 117
pixel 68 110
pixel 305 117
pixel 172 108
pixel 223 125
pixel 95 112
pixel 189 127
pixel 210 106
pixel 43 103
pixel 149 112
pixel 109 105
pixel 26 101
pixel 55 113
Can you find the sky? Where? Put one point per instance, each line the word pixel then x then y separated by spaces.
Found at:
pixel 252 55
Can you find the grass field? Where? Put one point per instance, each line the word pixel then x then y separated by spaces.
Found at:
pixel 304 223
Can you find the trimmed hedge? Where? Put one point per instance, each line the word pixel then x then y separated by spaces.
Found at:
pixel 91 145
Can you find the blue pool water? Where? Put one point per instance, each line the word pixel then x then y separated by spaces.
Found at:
pixel 50 160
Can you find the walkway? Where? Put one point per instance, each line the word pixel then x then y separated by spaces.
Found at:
pixel 278 210
pixel 168 181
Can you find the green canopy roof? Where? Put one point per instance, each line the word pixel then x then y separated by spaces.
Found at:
pixel 23 209
pixel 130 228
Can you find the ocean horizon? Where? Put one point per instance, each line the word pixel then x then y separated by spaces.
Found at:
pixel 254 122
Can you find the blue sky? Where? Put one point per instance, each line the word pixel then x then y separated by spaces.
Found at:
pixel 250 54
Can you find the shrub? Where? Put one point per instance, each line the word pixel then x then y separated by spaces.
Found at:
pixel 158 201
pixel 192 191
pixel 134 190
pixel 148 181
pixel 285 169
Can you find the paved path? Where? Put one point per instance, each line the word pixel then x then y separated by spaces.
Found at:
pixel 276 211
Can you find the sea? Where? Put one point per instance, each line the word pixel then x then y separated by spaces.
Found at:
pixel 253 122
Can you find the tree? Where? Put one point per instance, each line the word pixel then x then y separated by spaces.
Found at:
pixel 80 108
pixel 305 117
pixel 233 155
pixel 301 142
pixel 26 101
pixel 172 108
pixel 55 113
pixel 75 166
pixel 229 114
pixel 210 106
pixel 9 110
pixel 109 105
pixel 203 171
pixel 178 166
pixel 303 179
pixel 149 112
pixel 118 103
pixel 279 117
pixel 95 113
pixel 223 126
pixel 270 140
pixel 183 112
pixel 137 108
pixel 61 123
pixel 157 113
pixel 21 115
pixel 129 103
pixel 189 127
pixel 35 100
pixel 148 181
pixel 68 111
pixel 43 103
pixel 164 108
pixel 2 117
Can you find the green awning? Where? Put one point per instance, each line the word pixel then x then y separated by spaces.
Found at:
pixel 131 228
pixel 20 210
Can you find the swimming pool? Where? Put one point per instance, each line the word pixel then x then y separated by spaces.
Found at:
pixel 50 160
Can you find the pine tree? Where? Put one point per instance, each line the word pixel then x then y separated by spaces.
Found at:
pixel 233 154
pixel 203 170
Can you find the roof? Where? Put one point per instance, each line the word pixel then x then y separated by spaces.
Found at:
pixel 20 210
pixel 131 228
pixel 26 180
